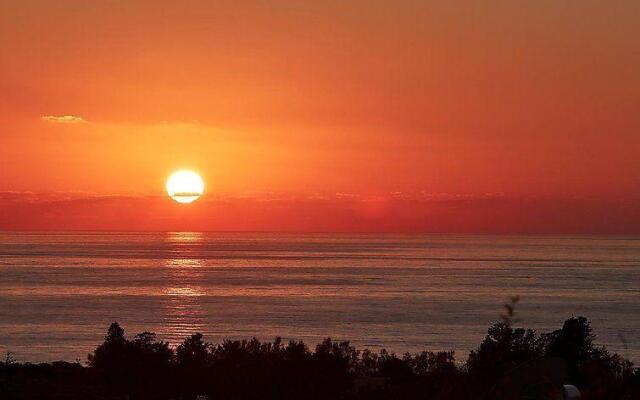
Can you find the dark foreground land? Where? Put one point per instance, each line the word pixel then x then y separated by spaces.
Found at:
pixel 511 363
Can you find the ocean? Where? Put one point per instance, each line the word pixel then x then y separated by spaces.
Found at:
pixel 60 291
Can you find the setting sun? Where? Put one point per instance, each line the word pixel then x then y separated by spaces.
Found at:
pixel 185 186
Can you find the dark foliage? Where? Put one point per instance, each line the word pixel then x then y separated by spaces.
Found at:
pixel 146 368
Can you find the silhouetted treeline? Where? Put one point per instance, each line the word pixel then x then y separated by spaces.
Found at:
pixel 510 363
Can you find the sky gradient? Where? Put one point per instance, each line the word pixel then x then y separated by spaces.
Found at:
pixel 469 116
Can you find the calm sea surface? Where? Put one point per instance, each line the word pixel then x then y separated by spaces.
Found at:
pixel 60 291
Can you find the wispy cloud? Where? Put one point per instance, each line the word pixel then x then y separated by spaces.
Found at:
pixel 63 119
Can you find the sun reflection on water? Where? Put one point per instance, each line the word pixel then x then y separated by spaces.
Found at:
pixel 184 313
pixel 184 237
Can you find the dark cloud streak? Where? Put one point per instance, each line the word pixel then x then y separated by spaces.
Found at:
pixel 393 213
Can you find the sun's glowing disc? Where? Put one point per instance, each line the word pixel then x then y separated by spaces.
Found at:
pixel 185 186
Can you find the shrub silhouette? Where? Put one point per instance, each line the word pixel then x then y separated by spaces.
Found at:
pixel 145 368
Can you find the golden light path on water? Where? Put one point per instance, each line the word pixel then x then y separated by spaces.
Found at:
pixel 184 314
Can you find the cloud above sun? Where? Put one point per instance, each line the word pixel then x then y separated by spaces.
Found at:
pixel 63 119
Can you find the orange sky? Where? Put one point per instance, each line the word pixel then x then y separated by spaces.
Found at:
pixel 410 104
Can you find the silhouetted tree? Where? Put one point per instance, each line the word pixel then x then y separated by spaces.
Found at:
pixel 573 343
pixel 132 366
pixel 336 361
pixel 194 352
pixel 146 368
pixel 502 349
pixel 395 369
pixel 111 355
pixel 591 367
pixel 427 362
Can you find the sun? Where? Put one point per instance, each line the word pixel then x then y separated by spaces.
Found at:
pixel 185 186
